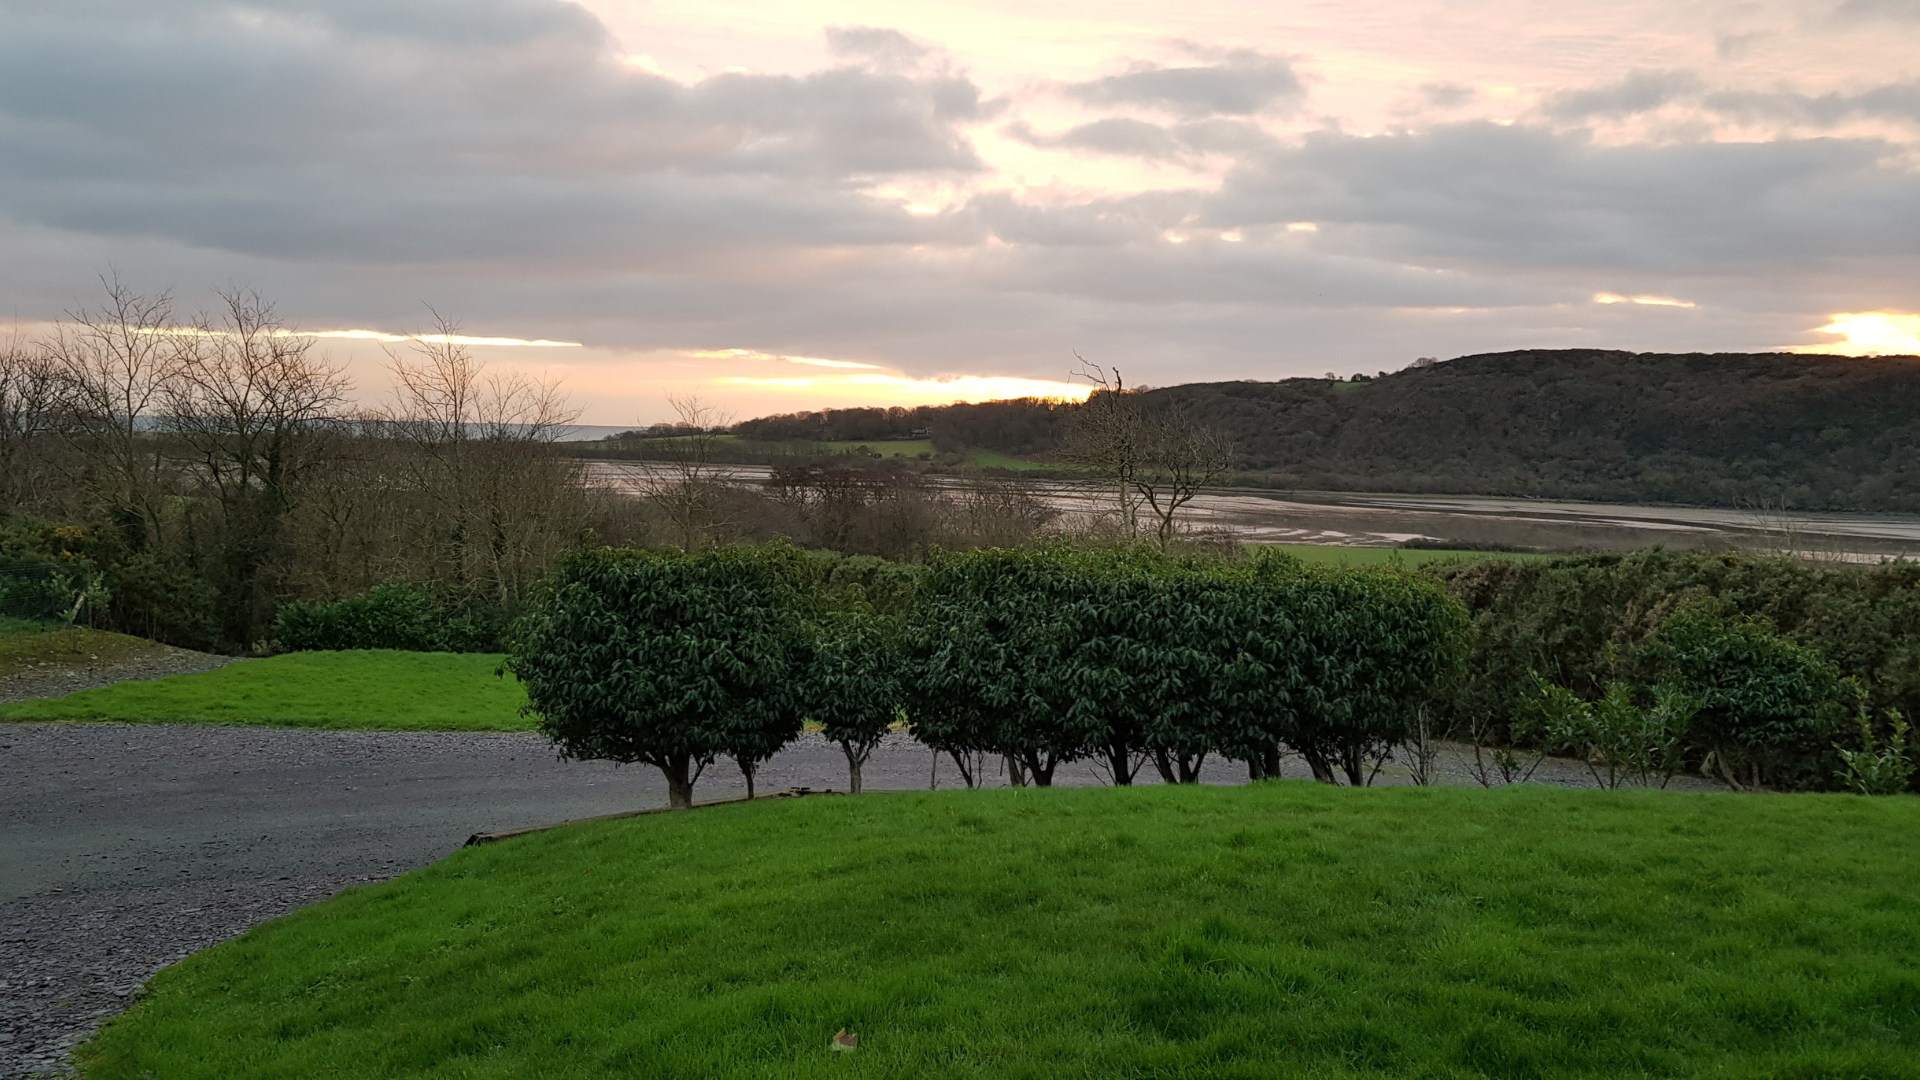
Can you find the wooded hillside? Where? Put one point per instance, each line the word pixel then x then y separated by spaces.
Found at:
pixel 1810 431
pixel 1807 432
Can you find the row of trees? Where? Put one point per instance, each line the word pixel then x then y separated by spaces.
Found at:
pixel 206 469
pixel 1034 657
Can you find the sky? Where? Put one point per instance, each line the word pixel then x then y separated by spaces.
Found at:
pixel 782 206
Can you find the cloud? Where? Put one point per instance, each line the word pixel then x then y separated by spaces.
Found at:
pixel 505 161
pixel 407 131
pixel 885 48
pixel 1866 11
pixel 1242 83
pixel 1448 95
pixel 1899 101
pixel 1638 92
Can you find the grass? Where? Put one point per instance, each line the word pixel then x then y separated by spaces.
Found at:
pixel 987 459
pixel 1375 556
pixel 365 690
pixel 28 643
pixel 910 448
pixel 1269 931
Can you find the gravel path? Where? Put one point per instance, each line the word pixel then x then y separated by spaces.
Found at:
pixel 125 847
pixel 55 679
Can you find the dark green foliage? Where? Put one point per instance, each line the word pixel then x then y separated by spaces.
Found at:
pixel 1054 654
pixel 1727 428
pixel 852 682
pixel 1585 621
pixel 388 617
pixel 1768 708
pixel 668 658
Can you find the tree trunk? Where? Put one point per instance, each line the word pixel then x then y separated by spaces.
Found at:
pixel 1322 768
pixel 1015 775
pixel 1120 760
pixel 853 765
pixel 1264 763
pixel 1040 773
pixel 679 773
pixel 1164 766
pixel 1190 767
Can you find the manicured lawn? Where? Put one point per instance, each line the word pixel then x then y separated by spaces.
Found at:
pixel 373 690
pixel 1276 930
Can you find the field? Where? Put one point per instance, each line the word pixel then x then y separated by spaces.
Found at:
pixel 373 690
pixel 1376 556
pixel 884 447
pixel 1274 930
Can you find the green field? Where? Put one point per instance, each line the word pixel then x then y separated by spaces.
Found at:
pixel 1276 930
pixel 1376 556
pixel 886 448
pixel 372 690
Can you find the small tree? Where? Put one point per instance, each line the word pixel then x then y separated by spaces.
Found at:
pixel 667 658
pixel 1766 703
pixel 852 683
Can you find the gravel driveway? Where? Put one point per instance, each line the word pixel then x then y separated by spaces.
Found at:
pixel 125 847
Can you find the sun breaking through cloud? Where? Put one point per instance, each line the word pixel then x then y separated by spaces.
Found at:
pixel 1871 333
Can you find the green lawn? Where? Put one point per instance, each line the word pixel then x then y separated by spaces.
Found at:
pixel 375 690
pixel 1273 931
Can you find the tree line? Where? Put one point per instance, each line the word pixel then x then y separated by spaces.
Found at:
pixel 209 480
pixel 198 472
pixel 1729 429
pixel 1762 673
pixel 1027 657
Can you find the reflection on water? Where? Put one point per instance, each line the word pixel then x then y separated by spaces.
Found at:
pixel 1364 520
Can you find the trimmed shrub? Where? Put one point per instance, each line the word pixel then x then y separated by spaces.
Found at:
pixel 667 658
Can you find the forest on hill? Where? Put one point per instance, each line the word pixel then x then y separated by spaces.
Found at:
pixel 1737 429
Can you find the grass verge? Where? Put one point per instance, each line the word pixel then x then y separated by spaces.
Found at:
pixel 367 690
pixel 1273 930
pixel 27 644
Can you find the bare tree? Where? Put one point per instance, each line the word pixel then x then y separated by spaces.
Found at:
pixel 1107 434
pixel 497 501
pixel 686 483
pixel 1156 458
pixel 114 367
pixel 29 415
pixel 248 402
pixel 1178 457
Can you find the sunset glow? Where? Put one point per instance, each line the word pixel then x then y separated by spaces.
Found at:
pixel 759 201
pixel 919 391
pixel 1872 333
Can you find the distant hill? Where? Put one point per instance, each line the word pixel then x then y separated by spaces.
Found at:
pixel 1794 430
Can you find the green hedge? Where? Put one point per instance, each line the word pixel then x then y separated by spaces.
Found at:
pixel 1037 657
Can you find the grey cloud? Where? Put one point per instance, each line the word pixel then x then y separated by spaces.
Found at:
pixel 887 48
pixel 1638 92
pixel 1507 198
pixel 1448 95
pixel 1899 101
pixel 356 156
pixel 360 130
pixel 1240 84
pixel 1857 11
pixel 1128 137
